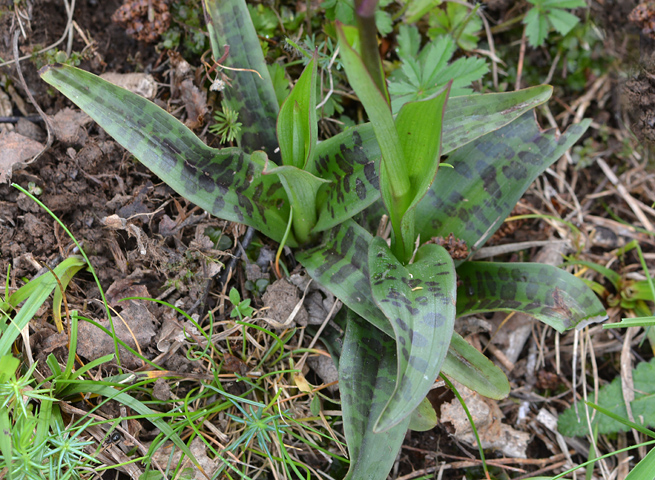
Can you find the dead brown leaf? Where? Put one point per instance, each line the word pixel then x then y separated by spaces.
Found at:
pixel 15 149
pixel 134 326
pixel 69 126
pixel 487 417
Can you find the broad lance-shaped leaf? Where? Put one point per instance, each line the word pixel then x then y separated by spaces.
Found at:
pixel 489 176
pixel 297 129
pixel 301 188
pixel 341 264
pixel 395 188
pixel 547 293
pixel 227 183
pixel 367 377
pixel 419 301
pixel 250 91
pixel 419 126
pixel 351 159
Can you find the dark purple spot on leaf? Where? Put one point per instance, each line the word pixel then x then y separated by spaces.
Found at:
pixel 419 340
pixel 418 363
pixel 401 323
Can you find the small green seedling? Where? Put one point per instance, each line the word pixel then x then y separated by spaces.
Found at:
pixel 227 125
pixel 241 308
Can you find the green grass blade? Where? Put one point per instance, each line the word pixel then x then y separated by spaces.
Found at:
pixel 58 297
pixel 419 301
pixel 227 182
pixel 623 420
pixel 6 445
pixel 367 374
pixel 38 295
pixel 251 92
pixel 152 416
pixel 645 469
pixel 547 293
pixel 611 275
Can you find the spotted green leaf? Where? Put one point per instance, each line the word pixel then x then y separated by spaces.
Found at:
pixel 367 377
pixel 301 188
pixel 351 159
pixel 469 367
pixel 419 125
pixel 297 129
pixel 227 183
pixel 250 91
pixel 394 180
pixel 419 301
pixel 489 176
pixel 341 265
pixel 547 293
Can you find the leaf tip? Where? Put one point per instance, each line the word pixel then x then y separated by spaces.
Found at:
pixel 46 68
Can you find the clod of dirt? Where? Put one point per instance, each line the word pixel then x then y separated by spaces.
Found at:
pixel 134 326
pixel 174 332
pixel 144 20
pixel 161 390
pixel 640 102
pixel 456 247
pixel 15 150
pixel 69 127
pixel 643 16
pixel 30 130
pixel 6 109
pixel 140 83
pixel 487 418
pixel 324 367
pixel 318 301
pixel 232 364
pixel 282 298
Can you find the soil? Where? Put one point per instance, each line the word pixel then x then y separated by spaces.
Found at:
pixel 628 26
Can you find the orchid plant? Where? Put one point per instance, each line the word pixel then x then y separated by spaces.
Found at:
pixel 404 293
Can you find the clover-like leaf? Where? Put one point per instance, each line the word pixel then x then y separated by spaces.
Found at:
pixel 574 423
pixel 419 301
pixel 421 76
